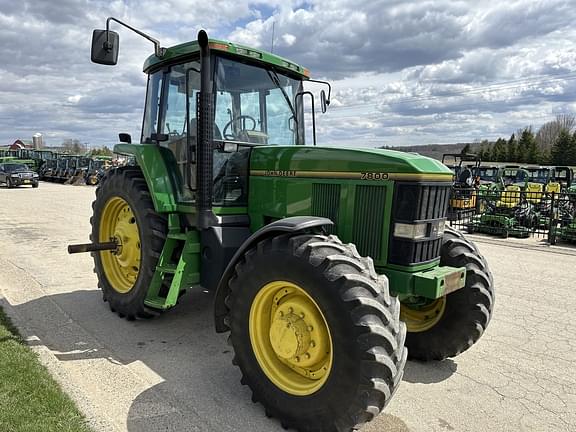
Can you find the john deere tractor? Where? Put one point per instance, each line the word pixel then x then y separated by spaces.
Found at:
pixel 319 258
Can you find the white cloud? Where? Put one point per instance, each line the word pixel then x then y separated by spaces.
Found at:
pixel 289 39
pixel 402 71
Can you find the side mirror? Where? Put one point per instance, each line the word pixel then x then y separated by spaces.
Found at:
pixel 105 47
pixel 125 138
pixel 323 101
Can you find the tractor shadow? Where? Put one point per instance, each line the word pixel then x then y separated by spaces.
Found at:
pixel 200 390
pixel 429 372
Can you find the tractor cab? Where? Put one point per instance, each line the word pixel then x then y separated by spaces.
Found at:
pixel 514 177
pixel 208 103
pixel 487 174
pixel 252 103
pixel 539 175
pixel 563 175
pixel 464 171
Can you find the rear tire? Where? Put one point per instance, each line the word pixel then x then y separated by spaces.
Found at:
pixel 129 185
pixel 362 324
pixel 467 311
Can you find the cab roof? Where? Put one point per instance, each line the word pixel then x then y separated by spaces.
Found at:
pixel 188 48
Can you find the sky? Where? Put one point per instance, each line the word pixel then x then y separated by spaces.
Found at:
pixel 402 72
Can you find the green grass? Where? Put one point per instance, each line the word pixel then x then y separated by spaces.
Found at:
pixel 30 399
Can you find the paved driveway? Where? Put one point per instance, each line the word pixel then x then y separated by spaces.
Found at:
pixel 175 373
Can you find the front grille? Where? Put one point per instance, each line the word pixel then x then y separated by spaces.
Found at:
pixel 369 220
pixel 326 203
pixel 417 202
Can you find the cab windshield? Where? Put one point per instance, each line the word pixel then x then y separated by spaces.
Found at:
pixel 514 176
pixel 538 175
pixel 256 105
pixel 488 174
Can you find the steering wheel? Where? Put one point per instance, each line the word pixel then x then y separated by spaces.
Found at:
pixel 230 136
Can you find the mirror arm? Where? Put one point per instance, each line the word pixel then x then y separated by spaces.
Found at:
pixel 158 50
pixel 301 95
pixel 325 83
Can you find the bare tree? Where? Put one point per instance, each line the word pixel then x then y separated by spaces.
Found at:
pixel 73 146
pixel 548 132
pixel 566 121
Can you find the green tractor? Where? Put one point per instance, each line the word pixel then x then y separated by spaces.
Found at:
pixel 319 258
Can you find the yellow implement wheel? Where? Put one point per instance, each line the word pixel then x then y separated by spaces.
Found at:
pixel 290 338
pixel 118 223
pixel 422 318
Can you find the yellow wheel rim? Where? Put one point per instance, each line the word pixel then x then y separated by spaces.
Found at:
pixel 118 223
pixel 422 318
pixel 290 338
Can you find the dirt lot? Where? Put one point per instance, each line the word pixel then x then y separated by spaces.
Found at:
pixel 175 374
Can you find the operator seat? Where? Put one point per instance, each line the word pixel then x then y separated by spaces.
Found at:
pixel 553 187
pixel 534 192
pixel 510 197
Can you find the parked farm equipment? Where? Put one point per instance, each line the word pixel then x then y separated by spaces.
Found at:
pixel 239 205
pixel 508 207
pixel 463 199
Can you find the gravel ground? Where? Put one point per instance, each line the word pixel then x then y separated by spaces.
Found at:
pixel 175 373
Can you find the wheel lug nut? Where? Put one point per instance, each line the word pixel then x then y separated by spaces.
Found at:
pixel 281 314
pixel 307 355
pixel 302 315
pixel 290 310
pixel 312 344
pixel 297 359
pixel 309 328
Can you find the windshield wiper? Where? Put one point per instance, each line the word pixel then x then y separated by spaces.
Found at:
pixel 274 77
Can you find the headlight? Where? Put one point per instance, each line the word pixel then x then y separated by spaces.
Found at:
pixel 14 175
pixel 35 175
pixel 411 231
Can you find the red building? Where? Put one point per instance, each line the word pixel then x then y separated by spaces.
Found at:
pixel 19 145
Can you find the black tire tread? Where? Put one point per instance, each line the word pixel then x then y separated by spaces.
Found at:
pixel 476 301
pixel 133 181
pixel 375 314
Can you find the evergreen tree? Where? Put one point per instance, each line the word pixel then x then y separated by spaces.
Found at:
pixel 543 157
pixel 533 154
pixel 466 149
pixel 527 150
pixel 485 151
pixel 499 150
pixel 562 148
pixel 572 152
pixel 512 149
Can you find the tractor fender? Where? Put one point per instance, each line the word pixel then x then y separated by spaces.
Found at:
pixel 287 225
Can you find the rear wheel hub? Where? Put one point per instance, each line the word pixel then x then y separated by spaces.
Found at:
pixel 118 223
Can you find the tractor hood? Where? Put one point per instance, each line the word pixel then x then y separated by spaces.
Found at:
pixel 333 162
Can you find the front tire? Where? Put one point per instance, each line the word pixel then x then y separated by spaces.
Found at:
pixel 123 211
pixel 459 319
pixel 315 332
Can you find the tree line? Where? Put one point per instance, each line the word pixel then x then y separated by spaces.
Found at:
pixel 74 146
pixel 553 144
